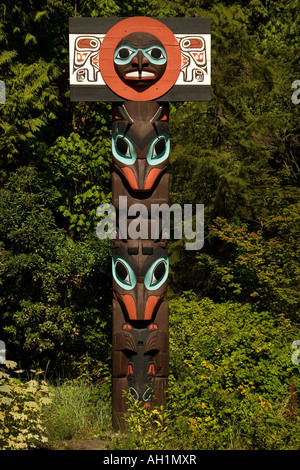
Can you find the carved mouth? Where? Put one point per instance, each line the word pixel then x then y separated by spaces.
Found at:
pixel 136 75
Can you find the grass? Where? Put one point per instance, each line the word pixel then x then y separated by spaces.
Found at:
pixel 78 411
pixel 82 411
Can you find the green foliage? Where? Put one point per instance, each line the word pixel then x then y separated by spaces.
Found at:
pixel 232 383
pixel 22 119
pixel 97 8
pixel 50 285
pixel 77 410
pixel 80 172
pixel 146 428
pixel 21 411
pixel 258 267
pixel 231 372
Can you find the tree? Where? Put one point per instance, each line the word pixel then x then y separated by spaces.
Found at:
pixel 50 286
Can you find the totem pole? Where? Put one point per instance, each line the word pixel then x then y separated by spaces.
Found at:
pixel 140 65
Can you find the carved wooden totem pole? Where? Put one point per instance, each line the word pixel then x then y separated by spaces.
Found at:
pixel 140 65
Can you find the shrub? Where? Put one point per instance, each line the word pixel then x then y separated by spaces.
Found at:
pixel 55 297
pixel 232 383
pixel 147 428
pixel 21 408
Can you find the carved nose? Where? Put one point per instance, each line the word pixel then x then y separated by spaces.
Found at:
pixel 140 61
pixel 141 172
pixel 140 295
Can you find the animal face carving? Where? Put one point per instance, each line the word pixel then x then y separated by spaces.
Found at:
pixel 140 275
pixel 140 145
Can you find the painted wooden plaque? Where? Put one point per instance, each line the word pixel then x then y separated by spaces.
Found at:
pixel 140 59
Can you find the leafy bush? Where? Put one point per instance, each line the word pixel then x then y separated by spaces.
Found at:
pixel 258 267
pixel 232 383
pixel 21 411
pixel 55 295
pixel 148 428
pixel 80 172
pixel 231 372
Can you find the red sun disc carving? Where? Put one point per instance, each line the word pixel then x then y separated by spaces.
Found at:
pixel 110 42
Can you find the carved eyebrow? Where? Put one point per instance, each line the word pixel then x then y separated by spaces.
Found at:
pixel 152 42
pixel 129 43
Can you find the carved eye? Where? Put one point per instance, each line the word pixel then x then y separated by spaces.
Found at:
pixel 159 150
pixel 123 274
pixel 147 395
pixel 123 150
pixel 157 274
pixel 123 146
pixel 123 55
pixel 160 147
pixel 133 393
pixel 156 55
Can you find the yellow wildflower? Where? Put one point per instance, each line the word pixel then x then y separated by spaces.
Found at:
pixel 192 424
pixel 187 363
pixel 261 401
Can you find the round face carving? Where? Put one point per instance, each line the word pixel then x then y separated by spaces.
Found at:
pixel 152 47
pixel 140 60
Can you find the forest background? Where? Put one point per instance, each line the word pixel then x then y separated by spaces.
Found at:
pixel 234 304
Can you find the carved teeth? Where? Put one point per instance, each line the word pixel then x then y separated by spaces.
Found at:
pixel 132 74
pixel 148 74
pixel 143 74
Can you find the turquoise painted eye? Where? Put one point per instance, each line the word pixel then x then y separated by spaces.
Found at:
pixel 147 395
pixel 159 150
pixel 157 274
pixel 124 54
pixel 133 393
pixel 123 273
pixel 123 150
pixel 156 55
